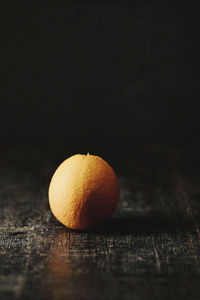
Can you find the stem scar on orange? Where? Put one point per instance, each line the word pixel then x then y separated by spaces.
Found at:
pixel 83 192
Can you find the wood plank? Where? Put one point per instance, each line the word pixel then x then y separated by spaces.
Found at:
pixel 150 249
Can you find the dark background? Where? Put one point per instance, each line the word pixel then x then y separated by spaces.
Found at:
pixel 99 76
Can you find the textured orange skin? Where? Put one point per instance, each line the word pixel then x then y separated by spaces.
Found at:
pixel 83 192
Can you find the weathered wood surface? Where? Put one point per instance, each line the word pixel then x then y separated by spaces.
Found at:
pixel 149 250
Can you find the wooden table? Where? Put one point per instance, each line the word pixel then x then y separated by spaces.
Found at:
pixel 149 250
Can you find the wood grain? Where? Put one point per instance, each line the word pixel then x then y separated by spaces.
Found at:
pixel 149 250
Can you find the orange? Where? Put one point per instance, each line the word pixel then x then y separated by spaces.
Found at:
pixel 83 192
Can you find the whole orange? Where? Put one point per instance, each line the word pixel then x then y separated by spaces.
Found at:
pixel 83 192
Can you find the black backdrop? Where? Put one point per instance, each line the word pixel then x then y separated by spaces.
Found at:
pixel 99 75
